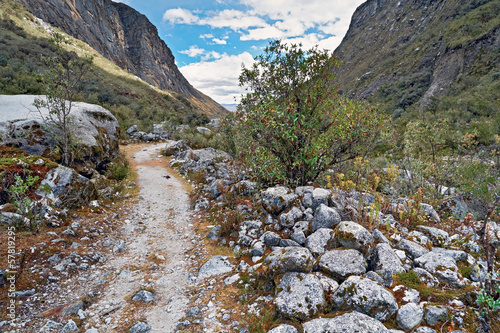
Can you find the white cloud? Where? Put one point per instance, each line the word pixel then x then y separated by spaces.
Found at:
pixel 204 36
pixel 180 15
pixel 219 78
pixel 193 51
pixel 219 41
pixel 233 19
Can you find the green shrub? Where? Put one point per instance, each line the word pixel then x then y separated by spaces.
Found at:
pixel 295 123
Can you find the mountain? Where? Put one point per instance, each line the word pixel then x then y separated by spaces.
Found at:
pixel 126 37
pixel 417 55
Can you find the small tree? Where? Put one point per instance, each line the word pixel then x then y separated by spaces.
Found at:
pixel 63 82
pixel 295 122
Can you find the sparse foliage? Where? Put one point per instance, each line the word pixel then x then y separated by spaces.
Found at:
pixel 63 81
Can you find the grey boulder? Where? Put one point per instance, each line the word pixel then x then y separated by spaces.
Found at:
pixel 276 199
pixel 412 249
pixel 283 328
pixel 354 236
pixel 366 296
pixel 340 264
pixel 325 217
pixel 94 128
pixel 144 296
pixel 353 322
pixel 437 236
pixel 290 259
pixel 216 265
pixel 385 260
pixel 140 327
pixel 409 316
pixel 299 295
pixel 441 266
pixel 320 241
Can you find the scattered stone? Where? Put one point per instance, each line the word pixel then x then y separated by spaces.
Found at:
pixel 193 312
pixel 386 260
pixel 290 259
pixel 140 327
pixel 283 328
pixel 70 327
pixel 434 314
pixel 287 220
pixel 347 323
pixel 144 296
pixel 412 249
pixel 341 264
pixel 299 295
pixel 72 308
pixel 437 236
pixel 214 234
pixel 441 266
pixel 320 241
pixel 324 217
pixel 354 236
pixel 216 265
pixel 409 316
pixel 366 296
pixel 276 199
pixel 51 325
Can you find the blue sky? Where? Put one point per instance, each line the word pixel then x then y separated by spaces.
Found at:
pixel 211 39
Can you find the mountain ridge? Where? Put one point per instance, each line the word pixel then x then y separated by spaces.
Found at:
pixel 125 36
pixel 413 54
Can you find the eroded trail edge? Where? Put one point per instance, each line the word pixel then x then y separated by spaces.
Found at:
pixel 157 235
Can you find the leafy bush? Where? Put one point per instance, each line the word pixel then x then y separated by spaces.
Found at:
pixel 295 123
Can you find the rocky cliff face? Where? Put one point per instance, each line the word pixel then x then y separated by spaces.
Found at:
pixel 402 53
pixel 124 36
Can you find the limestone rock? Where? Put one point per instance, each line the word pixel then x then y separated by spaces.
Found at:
pixel 441 266
pixel 299 295
pixel 409 316
pixel 340 264
pixel 412 249
pixel 283 328
pixel 94 128
pixel 140 327
pixel 353 322
pixel 324 217
pixel 290 259
pixel 215 266
pixel 276 199
pixel 175 147
pixel 320 241
pixel 144 296
pixel 366 296
pixel 437 236
pixel 354 236
pixel 434 314
pixel 386 260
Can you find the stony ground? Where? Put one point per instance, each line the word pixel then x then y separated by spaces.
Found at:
pixel 124 264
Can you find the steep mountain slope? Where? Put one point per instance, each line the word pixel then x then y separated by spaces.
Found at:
pixel 124 36
pixel 424 54
pixel 24 42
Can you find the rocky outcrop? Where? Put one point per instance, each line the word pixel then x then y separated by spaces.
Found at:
pixel 412 51
pixel 124 36
pixel 94 128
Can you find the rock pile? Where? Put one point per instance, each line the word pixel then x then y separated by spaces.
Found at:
pixel 323 261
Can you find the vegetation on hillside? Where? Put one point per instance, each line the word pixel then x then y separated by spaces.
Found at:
pixel 294 122
pixel 24 43
pixel 412 41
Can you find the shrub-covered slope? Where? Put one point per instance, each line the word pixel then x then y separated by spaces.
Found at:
pixel 432 55
pixel 24 39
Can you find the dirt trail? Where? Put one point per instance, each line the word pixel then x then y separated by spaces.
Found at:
pixel 158 234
